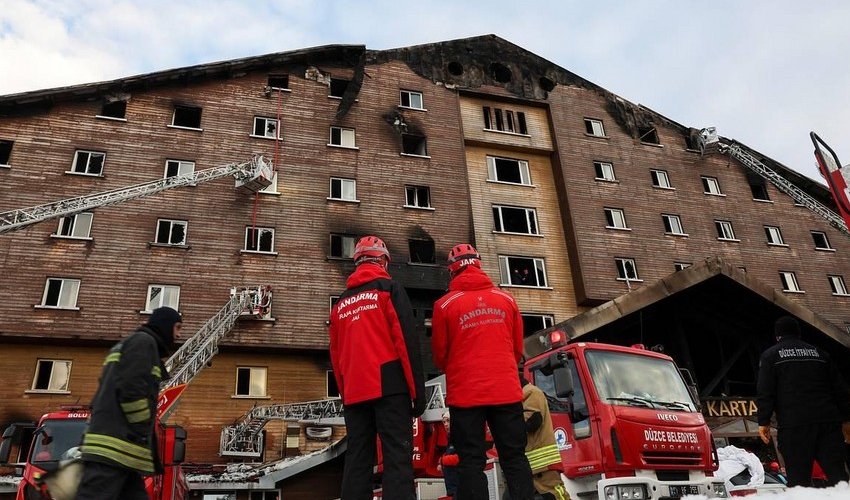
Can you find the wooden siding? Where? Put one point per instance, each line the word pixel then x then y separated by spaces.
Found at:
pixel 536 119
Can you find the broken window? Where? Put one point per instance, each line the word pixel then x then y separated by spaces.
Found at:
pixel 487 119
pixel 343 137
pixel 532 323
pixel 626 269
pixel 417 196
pixel 416 145
pixel 520 118
pixel 250 382
pixel 342 245
pixel 615 218
pixel 278 82
pixel 594 127
pixel 836 283
pixel 774 235
pixel 259 239
pixel 171 232
pixel 88 162
pixel 508 170
pixel 648 135
pixel 678 266
pixel 271 188
pixel 330 383
pixel 672 224
pixel 789 282
pixel 411 99
pixel 266 127
pixel 515 220
pixel 504 120
pixel 338 87
pixel 163 296
pixel 60 293
pixel 114 109
pixel 724 230
pixel 51 375
pixel 5 152
pixel 710 185
pixel 174 168
pixel 421 251
pixel 500 123
pixel 758 186
pixel 343 189
pixel 186 116
pixel 509 121
pixel 75 226
pixel 821 241
pixel 660 179
pixel 604 171
pixel 522 271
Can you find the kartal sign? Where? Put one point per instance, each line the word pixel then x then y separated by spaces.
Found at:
pixel 729 408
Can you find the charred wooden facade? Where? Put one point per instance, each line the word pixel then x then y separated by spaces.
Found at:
pixel 425 146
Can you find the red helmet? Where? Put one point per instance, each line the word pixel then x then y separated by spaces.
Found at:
pixel 370 247
pixel 461 256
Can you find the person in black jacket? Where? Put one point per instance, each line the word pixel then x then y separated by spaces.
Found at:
pixel 119 445
pixel 377 364
pixel 801 384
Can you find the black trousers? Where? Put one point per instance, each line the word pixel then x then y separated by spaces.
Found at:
pixel 107 482
pixel 803 444
pixel 508 429
pixel 388 417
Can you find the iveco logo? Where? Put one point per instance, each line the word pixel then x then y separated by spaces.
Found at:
pixel 668 417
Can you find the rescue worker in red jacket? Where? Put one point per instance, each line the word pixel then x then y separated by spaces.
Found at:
pixel 477 341
pixel 378 368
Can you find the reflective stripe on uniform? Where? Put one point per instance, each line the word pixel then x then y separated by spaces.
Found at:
pixel 138 416
pixel 112 358
pixel 561 492
pixel 156 372
pixel 543 456
pixel 120 451
pixel 139 404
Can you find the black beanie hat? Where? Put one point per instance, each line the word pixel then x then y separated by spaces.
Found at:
pixel 162 321
pixel 786 326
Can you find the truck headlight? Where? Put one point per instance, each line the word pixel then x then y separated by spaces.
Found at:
pixel 626 492
pixel 719 490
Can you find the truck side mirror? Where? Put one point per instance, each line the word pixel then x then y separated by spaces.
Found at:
pixel 179 451
pixel 563 378
pixel 6 444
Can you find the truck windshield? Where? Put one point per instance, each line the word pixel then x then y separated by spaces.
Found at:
pixel 57 440
pixel 635 380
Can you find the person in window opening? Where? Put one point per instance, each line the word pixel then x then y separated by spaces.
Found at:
pixel 800 383
pixel 377 365
pixel 526 277
pixel 516 277
pixel 542 451
pixel 120 445
pixel 477 342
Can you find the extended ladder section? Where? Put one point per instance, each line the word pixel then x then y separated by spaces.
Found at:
pixel 251 176
pixel 198 351
pixel 709 140
pixel 245 439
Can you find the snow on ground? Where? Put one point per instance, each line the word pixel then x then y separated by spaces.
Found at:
pixel 840 491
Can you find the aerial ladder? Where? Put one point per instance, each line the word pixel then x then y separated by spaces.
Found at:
pixel 251 176
pixel 245 439
pixel 710 141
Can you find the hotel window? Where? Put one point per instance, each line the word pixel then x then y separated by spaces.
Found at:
pixel 162 296
pixel 522 271
pixel 673 225
pixel 414 145
pixel 417 197
pixel 678 266
pixel 278 82
pixel 604 171
pixel 724 230
pixel 186 117
pixel 343 189
pixel 116 110
pixel 338 87
pixel 821 241
pixel 836 283
pixel 508 170
pixel 774 236
pixel 171 232
pixel 174 168
pixel 594 127
pixel 648 135
pixel 660 179
pixel 75 226
pixel 411 99
pixel 710 185
pixel 626 269
pixel 759 189
pixel 342 137
pixel 789 282
pixel 515 220
pixel 342 245
pixel 250 382
pixel 615 218
pixel 505 120
pixel 60 293
pixel 271 188
pixel 535 322
pixel 259 239
pixel 422 251
pixel 266 127
pixel 88 162
pixel 5 152
pixel 52 375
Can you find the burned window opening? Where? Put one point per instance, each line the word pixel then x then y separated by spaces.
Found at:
pixel 455 68
pixel 414 145
pixel 5 151
pixel 648 135
pixel 522 271
pixel 422 251
pixel 114 109
pixel 338 87
pixel 278 82
pixel 187 116
pixel 342 245
pixel 500 72
pixel 546 84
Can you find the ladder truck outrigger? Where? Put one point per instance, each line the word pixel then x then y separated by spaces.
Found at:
pixel 58 434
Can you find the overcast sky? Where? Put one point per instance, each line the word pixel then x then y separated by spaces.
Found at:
pixel 763 72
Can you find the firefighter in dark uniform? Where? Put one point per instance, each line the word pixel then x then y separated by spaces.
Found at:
pixel 119 446
pixel 377 364
pixel 477 341
pixel 800 383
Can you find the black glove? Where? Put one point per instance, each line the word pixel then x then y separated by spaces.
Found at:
pixel 418 407
pixel 534 422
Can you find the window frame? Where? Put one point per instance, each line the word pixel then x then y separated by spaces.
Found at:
pixel 667 221
pixel 590 128
pixel 530 219
pixel 63 281
pixel 709 184
pixel 656 174
pixel 774 236
pixel 180 166
pixel 539 264
pixel 266 120
pixel 681 266
pixel 409 93
pixel 172 223
pixel 523 167
pixel 600 167
pixel 611 222
pixel 9 146
pixel 784 279
pixel 260 230
pixel 251 370
pixel 410 242
pixel 49 390
pixel 103 110
pixel 342 183
pixel 422 145
pixel 342 135
pixel 837 285
pixel 342 237
pixel 763 191
pixel 622 272
pixel 186 107
pixel 279 89
pixel 722 223
pixel 165 287
pixel 828 247
pixel 272 187
pixel 88 152
pixel 73 227
pixel 548 321
pixel 329 376
pixel 416 190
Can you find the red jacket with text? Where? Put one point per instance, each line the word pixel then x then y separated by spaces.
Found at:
pixel 477 341
pixel 373 345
